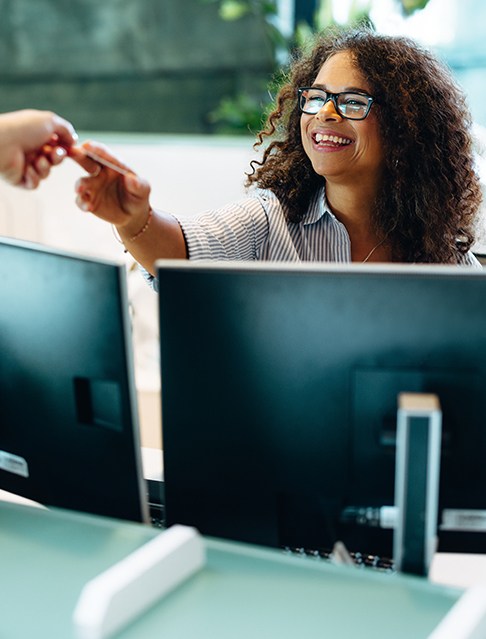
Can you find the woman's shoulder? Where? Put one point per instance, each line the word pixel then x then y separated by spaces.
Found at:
pixel 268 200
pixel 265 195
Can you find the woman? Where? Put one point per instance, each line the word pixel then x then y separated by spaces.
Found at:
pixel 369 158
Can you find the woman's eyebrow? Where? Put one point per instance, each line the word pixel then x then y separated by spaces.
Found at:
pixel 345 90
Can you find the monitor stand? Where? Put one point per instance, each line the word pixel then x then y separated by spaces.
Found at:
pixel 417 472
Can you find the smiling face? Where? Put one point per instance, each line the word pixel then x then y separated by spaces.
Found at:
pixel 340 149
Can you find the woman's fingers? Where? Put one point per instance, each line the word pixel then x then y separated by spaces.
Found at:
pixel 111 191
pixel 90 155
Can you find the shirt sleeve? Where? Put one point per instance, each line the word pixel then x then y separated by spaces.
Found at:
pixel 234 232
pixel 150 279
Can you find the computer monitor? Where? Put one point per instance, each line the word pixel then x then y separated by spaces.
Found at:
pixel 68 414
pixel 279 396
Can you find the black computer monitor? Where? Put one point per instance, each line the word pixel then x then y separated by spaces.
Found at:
pixel 68 413
pixel 279 396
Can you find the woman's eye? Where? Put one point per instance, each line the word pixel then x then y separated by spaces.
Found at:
pixel 355 102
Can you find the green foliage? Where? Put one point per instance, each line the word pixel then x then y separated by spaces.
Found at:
pixel 238 115
pixel 411 6
pixel 358 13
pixel 233 10
pixel 243 113
pixel 236 9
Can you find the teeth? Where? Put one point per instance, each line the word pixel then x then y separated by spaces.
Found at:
pixel 320 137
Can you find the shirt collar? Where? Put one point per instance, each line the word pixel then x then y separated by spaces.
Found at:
pixel 318 207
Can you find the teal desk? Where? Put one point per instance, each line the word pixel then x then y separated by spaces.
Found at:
pixel 244 592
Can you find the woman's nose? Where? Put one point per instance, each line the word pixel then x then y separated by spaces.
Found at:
pixel 328 111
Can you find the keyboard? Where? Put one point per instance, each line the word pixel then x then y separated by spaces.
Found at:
pixel 156 499
pixel 358 559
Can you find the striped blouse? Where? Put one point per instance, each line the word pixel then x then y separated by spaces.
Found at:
pixel 255 228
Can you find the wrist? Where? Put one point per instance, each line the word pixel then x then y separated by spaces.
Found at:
pixel 131 232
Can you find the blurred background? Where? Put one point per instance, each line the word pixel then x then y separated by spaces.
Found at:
pixel 199 66
pixel 178 90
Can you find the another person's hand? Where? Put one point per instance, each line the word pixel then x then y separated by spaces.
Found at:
pixel 31 143
pixel 113 193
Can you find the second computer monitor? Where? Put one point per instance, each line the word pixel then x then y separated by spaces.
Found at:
pixel 279 395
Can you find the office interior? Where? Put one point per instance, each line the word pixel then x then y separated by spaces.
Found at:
pixel 214 163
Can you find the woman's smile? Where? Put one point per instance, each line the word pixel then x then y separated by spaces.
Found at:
pixel 329 140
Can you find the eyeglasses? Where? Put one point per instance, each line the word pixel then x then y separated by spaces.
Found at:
pixel 351 105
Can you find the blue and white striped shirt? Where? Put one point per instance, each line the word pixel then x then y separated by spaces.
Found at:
pixel 255 228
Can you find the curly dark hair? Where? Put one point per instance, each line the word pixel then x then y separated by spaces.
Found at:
pixel 430 196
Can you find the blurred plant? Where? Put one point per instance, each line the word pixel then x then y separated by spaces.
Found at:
pixel 265 10
pixel 245 112
pixel 358 12
pixel 238 115
pixel 411 6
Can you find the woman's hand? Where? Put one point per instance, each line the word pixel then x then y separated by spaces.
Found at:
pixel 113 193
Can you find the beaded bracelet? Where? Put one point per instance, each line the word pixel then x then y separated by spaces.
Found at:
pixel 143 229
pixel 137 235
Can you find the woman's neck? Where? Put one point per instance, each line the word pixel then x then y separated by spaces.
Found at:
pixel 353 207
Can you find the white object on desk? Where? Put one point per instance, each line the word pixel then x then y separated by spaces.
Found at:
pixel 458 570
pixel 111 600
pixel 466 619
pixel 17 499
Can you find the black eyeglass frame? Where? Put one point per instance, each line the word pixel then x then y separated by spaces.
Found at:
pixel 334 99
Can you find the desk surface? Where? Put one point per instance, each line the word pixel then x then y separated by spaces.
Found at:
pixel 244 591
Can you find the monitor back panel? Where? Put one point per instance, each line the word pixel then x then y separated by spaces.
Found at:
pixel 68 414
pixel 279 394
